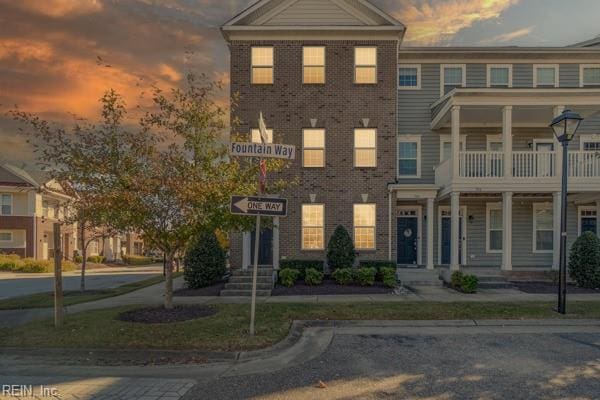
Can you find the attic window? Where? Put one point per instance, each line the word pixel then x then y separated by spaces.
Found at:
pixel 262 65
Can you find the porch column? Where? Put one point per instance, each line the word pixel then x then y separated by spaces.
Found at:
pixel 275 243
pixel 246 244
pixel 559 156
pixel 507 140
pixel 556 223
pixel 507 206
pixel 456 234
pixel 455 141
pixel 430 219
pixel 598 217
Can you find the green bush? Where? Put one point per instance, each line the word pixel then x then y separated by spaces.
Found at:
pixel 388 276
pixel 302 265
pixel 313 277
pixel 136 260
pixel 30 265
pixel 343 276
pixel 288 276
pixel 9 262
pixel 205 261
pixel 340 250
pixel 456 279
pixel 584 261
pixel 96 259
pixel 464 283
pixel 78 258
pixel 365 276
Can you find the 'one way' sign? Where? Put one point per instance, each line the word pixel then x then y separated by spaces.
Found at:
pixel 266 206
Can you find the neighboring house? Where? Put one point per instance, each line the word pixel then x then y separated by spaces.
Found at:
pixel 132 244
pixel 428 156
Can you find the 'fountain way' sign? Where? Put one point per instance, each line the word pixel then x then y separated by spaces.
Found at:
pixel 263 150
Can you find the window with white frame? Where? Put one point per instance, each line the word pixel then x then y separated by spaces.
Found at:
pixel 590 75
pixel 590 143
pixel 365 65
pixel 313 223
pixel 6 204
pixel 499 76
pixel 409 77
pixel 588 220
pixel 446 146
pixel 262 65
pixel 6 236
pixel 364 226
pixel 494 230
pixel 543 228
pixel 409 156
pixel 313 65
pixel 365 147
pixel 453 76
pixel 255 136
pixel 313 145
pixel 545 75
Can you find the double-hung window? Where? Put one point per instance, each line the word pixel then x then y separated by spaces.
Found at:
pixel 589 75
pixel 313 144
pixel 262 65
pixel 255 136
pixel 588 220
pixel 409 77
pixel 313 223
pixel 590 143
pixel 499 76
pixel 6 206
pixel 543 228
pixel 545 75
pixel 6 236
pixel 453 76
pixel 313 64
pixel 365 65
pixel 409 155
pixel 365 148
pixel 494 228
pixel 364 226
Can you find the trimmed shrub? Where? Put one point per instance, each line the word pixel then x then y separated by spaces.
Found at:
pixel 137 260
pixel 302 265
pixel 96 259
pixel 30 265
pixel 288 276
pixel 456 279
pixel 78 258
pixel 205 261
pixel 378 264
pixel 313 277
pixel 469 284
pixel 343 276
pixel 388 276
pixel 340 250
pixel 584 261
pixel 365 276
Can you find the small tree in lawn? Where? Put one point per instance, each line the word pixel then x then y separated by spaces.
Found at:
pixel 205 261
pixel 91 228
pixel 340 250
pixel 584 261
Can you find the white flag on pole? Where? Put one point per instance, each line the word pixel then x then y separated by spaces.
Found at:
pixel 263 129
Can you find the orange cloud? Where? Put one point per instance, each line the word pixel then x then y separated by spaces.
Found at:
pixel 507 37
pixel 23 50
pixel 60 8
pixel 431 21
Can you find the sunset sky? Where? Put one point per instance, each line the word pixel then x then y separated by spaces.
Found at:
pixel 58 56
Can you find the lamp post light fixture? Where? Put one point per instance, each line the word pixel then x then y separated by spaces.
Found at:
pixel 564 126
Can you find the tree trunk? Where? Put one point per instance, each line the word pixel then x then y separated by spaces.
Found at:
pixel 58 289
pixel 84 258
pixel 169 281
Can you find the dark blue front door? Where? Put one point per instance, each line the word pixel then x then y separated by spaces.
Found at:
pixel 265 247
pixel 407 240
pixel 447 240
pixel 589 225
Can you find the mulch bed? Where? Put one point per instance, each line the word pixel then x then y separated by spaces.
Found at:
pixel 213 290
pixel 160 315
pixel 550 288
pixel 329 287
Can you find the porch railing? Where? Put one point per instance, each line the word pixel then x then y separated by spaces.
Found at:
pixel 481 164
pixel 584 164
pixel 534 164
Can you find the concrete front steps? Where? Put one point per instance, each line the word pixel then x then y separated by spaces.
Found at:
pixel 240 282
pixel 489 278
pixel 418 277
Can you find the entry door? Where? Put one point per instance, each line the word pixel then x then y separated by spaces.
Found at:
pixel 447 240
pixel 265 247
pixel 543 162
pixel 407 240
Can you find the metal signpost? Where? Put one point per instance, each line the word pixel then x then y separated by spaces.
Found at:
pixel 265 206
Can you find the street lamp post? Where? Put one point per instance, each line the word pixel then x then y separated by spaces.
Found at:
pixel 565 126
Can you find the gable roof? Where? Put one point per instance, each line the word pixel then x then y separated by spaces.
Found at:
pixel 588 43
pixel 305 15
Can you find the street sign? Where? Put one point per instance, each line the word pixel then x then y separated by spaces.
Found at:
pixel 263 150
pixel 265 206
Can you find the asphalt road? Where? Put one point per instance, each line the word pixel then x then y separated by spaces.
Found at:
pixel 441 366
pixel 12 285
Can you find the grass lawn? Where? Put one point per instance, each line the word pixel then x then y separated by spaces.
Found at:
pixel 46 299
pixel 227 329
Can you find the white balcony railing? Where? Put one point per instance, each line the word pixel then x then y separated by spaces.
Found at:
pixel 534 164
pixel 481 164
pixel 584 164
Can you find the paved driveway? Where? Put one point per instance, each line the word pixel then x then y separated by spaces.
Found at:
pixel 12 285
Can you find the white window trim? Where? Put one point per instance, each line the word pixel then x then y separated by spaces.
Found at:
pixel 588 138
pixel 537 206
pixel 409 139
pixel 12 203
pixel 304 65
pixel 252 66
pixel 581 68
pixel 376 64
pixel 418 216
pixel 314 148
pixel 418 67
pixel 463 215
pixel 374 248
pixel 444 66
pixel 488 208
pixel 448 139
pixel 302 227
pixel 9 240
pixel 579 216
pixel 556 73
pixel 489 74
pixel 356 148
